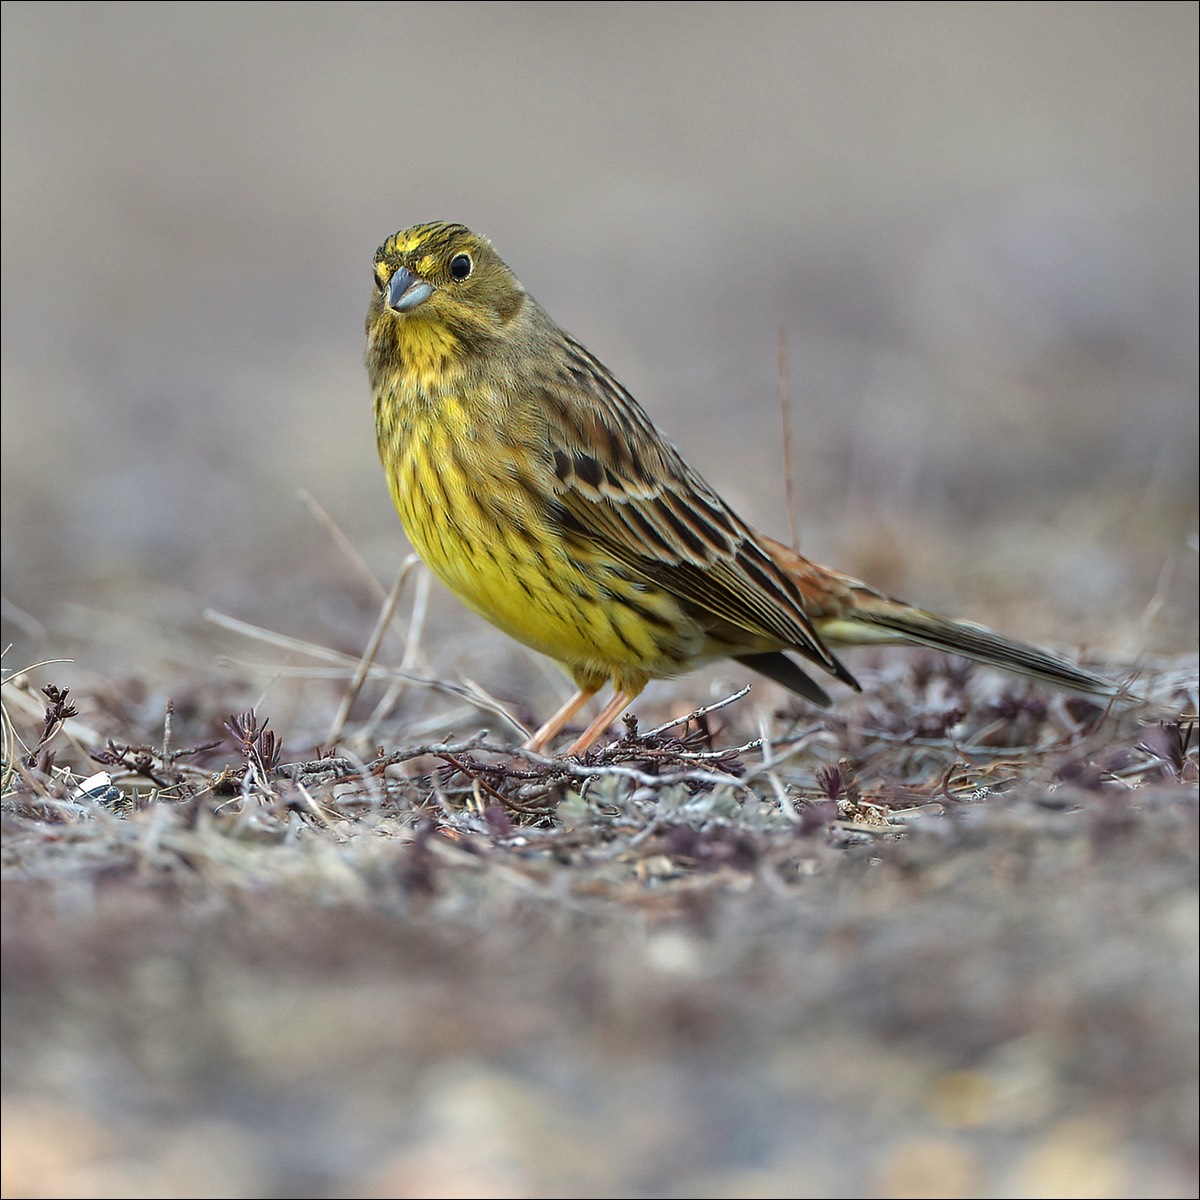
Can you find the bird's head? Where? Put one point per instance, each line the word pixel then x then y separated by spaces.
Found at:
pixel 444 275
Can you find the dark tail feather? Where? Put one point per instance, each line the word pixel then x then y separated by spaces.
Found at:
pixel 783 670
pixel 879 619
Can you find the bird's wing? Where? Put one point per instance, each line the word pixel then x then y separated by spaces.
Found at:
pixel 617 485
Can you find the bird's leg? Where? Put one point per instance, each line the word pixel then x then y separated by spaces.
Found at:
pixel 608 715
pixel 560 718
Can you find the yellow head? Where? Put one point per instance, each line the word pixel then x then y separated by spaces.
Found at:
pixel 443 274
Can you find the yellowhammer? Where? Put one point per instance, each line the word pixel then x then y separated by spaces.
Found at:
pixel 538 491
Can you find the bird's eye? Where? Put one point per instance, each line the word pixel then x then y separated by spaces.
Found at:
pixel 461 266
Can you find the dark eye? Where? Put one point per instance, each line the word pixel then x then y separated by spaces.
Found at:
pixel 461 266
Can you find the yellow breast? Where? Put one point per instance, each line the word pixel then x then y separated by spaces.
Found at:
pixel 472 509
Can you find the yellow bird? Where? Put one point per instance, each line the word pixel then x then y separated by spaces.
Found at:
pixel 538 490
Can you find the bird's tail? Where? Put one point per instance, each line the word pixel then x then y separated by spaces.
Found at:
pixel 880 619
pixel 847 612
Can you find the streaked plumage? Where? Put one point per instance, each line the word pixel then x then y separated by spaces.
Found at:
pixel 537 489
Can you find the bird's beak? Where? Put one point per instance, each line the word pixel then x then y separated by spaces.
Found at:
pixel 407 291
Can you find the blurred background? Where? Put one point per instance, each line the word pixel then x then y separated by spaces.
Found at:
pixel 973 226
pixel 973 229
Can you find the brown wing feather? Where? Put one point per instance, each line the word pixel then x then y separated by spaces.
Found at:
pixel 620 486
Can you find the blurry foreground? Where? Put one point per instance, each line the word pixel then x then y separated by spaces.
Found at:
pixel 938 942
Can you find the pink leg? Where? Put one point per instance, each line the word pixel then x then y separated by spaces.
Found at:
pixel 560 718
pixel 608 715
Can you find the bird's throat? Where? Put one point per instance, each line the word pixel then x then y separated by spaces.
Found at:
pixel 428 355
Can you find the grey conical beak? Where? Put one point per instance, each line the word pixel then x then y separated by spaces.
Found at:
pixel 407 291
